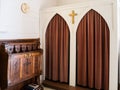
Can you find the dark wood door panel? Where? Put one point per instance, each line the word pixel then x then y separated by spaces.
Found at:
pixel 14 73
pixel 37 60
pixel 27 66
pixel 23 66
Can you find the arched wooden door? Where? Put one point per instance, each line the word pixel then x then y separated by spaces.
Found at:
pixel 93 52
pixel 57 50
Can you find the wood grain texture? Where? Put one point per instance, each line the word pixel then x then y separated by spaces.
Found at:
pixel 19 67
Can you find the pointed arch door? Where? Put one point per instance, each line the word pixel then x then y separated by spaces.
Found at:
pixel 93 51
pixel 57 50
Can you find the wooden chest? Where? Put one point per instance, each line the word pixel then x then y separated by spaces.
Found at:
pixel 20 61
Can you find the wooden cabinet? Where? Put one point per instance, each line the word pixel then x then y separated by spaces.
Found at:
pixel 23 64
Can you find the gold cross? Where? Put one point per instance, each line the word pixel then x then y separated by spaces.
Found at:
pixel 72 15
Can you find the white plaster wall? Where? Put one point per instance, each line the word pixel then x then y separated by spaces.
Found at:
pixel 47 3
pixel 16 25
pixel 64 2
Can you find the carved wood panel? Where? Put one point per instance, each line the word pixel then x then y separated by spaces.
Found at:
pixel 23 66
pixel 37 60
pixel 27 65
pixel 14 69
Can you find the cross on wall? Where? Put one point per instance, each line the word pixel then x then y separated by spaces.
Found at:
pixel 72 15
